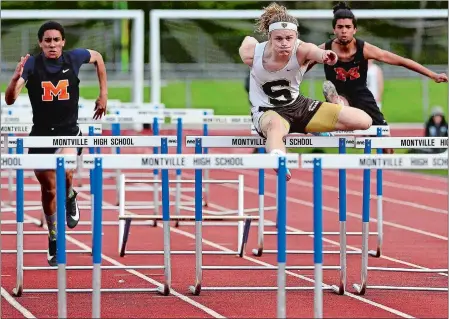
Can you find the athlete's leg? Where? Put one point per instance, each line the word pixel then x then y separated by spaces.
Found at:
pixel 331 117
pixel 72 209
pixel 47 180
pixel 274 127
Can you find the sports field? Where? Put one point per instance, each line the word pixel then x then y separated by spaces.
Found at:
pixel 402 98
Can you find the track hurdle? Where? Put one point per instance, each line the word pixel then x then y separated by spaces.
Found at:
pixel 160 116
pixel 412 161
pixel 199 162
pixel 382 161
pixel 97 231
pixel 206 119
pixel 295 141
pixel 242 230
pixel 70 141
pixel 60 163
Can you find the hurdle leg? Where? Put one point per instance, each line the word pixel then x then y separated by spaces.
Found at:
pixel 206 188
pixel 281 239
pixel 260 228
pixel 20 193
pixel 241 205
pixel 166 224
pixel 167 260
pixel 121 212
pixel 97 241
pixel 119 185
pixel 124 237
pixel 246 229
pixel 178 196
pixel 17 291
pixel 361 289
pixel 378 252
pixel 156 172
pixel 178 171
pixel 156 196
pixel 61 238
pixel 318 237
pixel 342 217
pixel 196 289
pixel 206 171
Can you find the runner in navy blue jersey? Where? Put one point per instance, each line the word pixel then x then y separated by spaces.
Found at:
pixel 51 78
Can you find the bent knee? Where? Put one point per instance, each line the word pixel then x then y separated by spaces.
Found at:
pixel 365 121
pixel 274 123
pixel 48 193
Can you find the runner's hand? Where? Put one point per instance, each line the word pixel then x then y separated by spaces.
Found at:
pixel 19 68
pixel 100 107
pixel 438 78
pixel 330 57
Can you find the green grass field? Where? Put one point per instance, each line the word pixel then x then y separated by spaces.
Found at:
pixel 402 98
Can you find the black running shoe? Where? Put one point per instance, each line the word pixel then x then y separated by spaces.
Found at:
pixel 72 211
pixel 51 255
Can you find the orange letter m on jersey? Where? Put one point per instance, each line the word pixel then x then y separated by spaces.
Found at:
pixel 60 91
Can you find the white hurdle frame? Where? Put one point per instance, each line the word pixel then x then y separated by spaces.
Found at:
pixel 385 161
pixel 124 227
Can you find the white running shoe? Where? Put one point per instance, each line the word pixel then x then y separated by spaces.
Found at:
pixel 330 92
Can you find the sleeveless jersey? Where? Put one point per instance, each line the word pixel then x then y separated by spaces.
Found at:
pixel 348 77
pixel 54 96
pixel 277 88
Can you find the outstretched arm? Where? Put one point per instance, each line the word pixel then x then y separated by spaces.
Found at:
pixel 246 50
pixel 100 104
pixel 17 82
pixel 310 53
pixel 372 52
pixel 313 63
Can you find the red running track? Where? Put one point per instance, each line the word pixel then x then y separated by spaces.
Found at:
pixel 415 235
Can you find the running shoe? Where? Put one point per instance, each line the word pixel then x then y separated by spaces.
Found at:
pixel 51 254
pixel 330 92
pixel 72 211
pixel 288 176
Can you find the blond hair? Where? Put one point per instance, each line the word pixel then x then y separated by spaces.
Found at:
pixel 273 13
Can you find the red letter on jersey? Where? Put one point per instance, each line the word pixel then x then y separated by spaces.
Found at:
pixel 60 91
pixel 352 74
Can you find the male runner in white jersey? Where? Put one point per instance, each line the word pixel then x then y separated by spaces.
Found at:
pixel 277 68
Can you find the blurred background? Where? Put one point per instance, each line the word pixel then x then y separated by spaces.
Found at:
pixel 200 65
